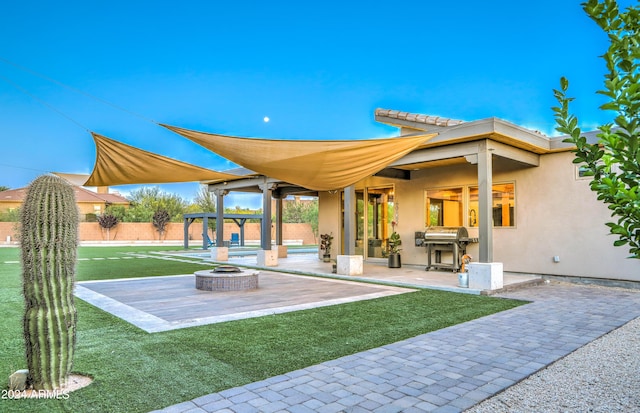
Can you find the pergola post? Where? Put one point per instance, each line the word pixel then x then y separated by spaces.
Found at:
pixel 205 231
pixel 220 193
pixel 278 198
pixel 187 223
pixel 265 232
pixel 266 256
pixel 282 249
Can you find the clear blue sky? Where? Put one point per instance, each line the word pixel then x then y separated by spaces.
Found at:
pixel 318 70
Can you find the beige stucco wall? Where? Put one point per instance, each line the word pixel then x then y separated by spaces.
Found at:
pixel 9 205
pixel 556 215
pixel 328 211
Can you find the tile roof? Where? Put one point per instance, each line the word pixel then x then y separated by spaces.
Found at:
pixel 416 117
pixel 13 194
pixel 82 195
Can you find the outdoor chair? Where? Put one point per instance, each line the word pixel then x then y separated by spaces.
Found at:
pixel 235 239
pixel 205 236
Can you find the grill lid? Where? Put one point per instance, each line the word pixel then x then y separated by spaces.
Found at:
pixel 446 233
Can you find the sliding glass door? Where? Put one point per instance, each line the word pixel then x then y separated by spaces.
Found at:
pixel 380 213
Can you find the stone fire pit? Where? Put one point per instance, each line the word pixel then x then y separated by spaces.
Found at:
pixel 226 278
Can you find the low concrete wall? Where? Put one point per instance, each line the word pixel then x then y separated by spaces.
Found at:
pixel 141 231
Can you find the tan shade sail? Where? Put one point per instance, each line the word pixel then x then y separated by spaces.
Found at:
pixel 74 179
pixel 316 165
pixel 120 164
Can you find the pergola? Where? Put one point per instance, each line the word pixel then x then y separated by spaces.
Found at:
pixel 239 219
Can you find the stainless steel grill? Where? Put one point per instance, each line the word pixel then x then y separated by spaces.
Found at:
pixel 446 239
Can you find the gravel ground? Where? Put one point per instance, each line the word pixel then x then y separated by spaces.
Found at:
pixel 603 376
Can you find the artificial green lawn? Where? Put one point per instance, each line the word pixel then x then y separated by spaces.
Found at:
pixel 135 371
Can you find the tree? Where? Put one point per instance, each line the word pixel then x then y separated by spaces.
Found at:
pixel 614 161
pixel 12 215
pixel 118 211
pixel 107 221
pixel 297 212
pixel 205 200
pixel 160 220
pixel 147 200
pixel 4 188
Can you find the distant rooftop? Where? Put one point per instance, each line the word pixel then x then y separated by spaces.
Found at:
pixel 82 195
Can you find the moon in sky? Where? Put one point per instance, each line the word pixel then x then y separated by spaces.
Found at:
pixel 266 119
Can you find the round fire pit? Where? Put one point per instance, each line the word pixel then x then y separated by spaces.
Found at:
pixel 226 278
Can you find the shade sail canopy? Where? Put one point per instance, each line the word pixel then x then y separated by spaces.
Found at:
pixel 121 164
pixel 74 179
pixel 316 165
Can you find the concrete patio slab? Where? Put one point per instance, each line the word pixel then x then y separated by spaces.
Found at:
pixel 157 304
pixel 413 276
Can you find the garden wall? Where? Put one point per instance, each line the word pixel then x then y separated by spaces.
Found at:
pixel 141 231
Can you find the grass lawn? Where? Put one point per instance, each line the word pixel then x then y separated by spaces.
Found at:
pixel 135 371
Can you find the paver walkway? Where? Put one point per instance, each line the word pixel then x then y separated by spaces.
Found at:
pixel 448 370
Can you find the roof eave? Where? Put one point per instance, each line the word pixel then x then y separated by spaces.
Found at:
pixel 492 128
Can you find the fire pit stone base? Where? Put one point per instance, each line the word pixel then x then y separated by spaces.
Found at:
pixel 236 281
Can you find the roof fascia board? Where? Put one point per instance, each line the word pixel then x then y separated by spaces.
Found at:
pixel 522 134
pixel 557 144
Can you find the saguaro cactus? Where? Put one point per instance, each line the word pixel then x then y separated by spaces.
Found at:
pixel 49 239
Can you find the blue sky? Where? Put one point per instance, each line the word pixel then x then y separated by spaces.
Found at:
pixel 317 70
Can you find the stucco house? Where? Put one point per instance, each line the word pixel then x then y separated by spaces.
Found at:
pixel 90 203
pixel 516 191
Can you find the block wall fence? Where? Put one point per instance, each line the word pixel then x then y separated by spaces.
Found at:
pixel 142 231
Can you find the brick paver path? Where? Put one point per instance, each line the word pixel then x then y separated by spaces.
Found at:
pixel 448 370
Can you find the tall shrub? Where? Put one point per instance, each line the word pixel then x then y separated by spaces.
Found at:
pixel 49 236
pixel 160 220
pixel 614 161
pixel 107 221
